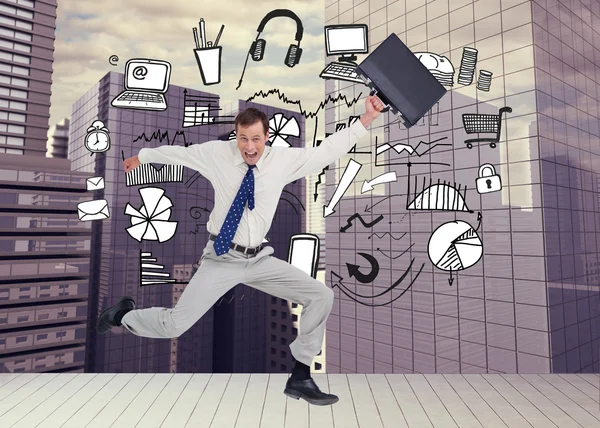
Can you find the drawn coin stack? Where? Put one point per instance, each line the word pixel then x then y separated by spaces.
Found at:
pixel 467 66
pixel 484 81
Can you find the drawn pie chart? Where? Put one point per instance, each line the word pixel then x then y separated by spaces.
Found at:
pixel 454 246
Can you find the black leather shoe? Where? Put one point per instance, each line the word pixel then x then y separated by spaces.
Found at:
pixel 106 320
pixel 309 391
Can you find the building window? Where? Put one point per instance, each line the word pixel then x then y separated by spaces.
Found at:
pixel 13 93
pixel 24 288
pixel 283 315
pixel 283 354
pixel 273 313
pixel 42 336
pixel 19 370
pixel 294 305
pixel 21 339
pixel 15 129
pixel 16 23
pixel 23 318
pixel 15 46
pixel 283 302
pixel 273 351
pixel 318 366
pixel 28 3
pixel 294 331
pixel 283 368
pixel 273 338
pixel 283 328
pixel 273 300
pixel 273 325
pixel 283 341
pixel 294 317
pixel 16 58
pixel 16 34
pixel 15 105
pixel 13 68
pixel 16 11
pixel 61 334
pixel 273 363
pixel 43 317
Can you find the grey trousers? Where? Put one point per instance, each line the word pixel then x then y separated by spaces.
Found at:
pixel 218 274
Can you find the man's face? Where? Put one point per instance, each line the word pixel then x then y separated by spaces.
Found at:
pixel 251 142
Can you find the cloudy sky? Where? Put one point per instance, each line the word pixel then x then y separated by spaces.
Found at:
pixel 89 32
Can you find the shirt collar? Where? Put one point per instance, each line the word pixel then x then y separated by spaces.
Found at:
pixel 238 159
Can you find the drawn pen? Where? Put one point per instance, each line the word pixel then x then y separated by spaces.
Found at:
pixel 218 36
pixel 195 30
pixel 202 32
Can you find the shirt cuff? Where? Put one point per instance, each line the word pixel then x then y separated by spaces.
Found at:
pixel 358 129
pixel 143 156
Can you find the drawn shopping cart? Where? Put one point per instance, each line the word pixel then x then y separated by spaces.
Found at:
pixel 486 124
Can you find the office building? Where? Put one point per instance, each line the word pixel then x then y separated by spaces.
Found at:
pixel 58 140
pixel 44 266
pixel 115 267
pixel 26 55
pixel 531 303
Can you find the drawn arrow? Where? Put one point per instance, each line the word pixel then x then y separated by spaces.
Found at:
pixel 354 270
pixel 358 216
pixel 479 218
pixel 349 174
pixel 339 283
pixel 316 194
pixel 450 280
pixel 391 301
pixel 383 178
pixel 369 208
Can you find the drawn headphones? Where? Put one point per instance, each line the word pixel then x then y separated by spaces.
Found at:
pixel 257 49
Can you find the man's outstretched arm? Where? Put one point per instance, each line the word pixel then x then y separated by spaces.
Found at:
pixel 312 160
pixel 196 157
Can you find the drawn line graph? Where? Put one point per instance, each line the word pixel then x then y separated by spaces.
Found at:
pixel 399 148
pixel 285 99
pixel 160 136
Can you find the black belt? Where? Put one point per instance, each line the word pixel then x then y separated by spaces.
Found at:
pixel 240 248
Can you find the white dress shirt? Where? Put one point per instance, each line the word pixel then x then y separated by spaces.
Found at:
pixel 221 163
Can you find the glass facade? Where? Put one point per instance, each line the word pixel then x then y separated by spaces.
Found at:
pixel 25 74
pixel 530 304
pixel 44 266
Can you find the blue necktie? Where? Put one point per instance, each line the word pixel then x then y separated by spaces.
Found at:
pixel 232 221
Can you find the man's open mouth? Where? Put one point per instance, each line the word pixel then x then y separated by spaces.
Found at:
pixel 251 155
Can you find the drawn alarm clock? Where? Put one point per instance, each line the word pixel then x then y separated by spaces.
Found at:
pixel 97 139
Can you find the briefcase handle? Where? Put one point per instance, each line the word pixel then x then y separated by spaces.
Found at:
pixel 383 99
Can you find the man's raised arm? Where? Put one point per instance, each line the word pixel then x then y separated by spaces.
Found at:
pixel 312 160
pixel 197 157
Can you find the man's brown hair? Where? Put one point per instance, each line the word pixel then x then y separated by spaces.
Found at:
pixel 249 117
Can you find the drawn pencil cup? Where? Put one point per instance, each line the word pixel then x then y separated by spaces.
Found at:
pixel 209 62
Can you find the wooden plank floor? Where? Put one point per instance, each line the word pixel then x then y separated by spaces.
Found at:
pixel 145 400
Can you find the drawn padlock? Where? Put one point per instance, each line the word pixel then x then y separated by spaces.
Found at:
pixel 488 180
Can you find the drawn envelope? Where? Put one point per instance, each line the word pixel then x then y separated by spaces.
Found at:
pixel 93 210
pixel 94 183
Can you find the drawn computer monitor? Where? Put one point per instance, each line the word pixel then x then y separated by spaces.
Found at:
pixel 303 252
pixel 346 40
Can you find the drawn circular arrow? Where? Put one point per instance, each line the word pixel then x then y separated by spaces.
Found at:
pixel 354 270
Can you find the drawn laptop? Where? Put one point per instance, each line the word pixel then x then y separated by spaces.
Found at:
pixel 146 80
pixel 400 80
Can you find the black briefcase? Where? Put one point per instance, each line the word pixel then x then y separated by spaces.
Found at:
pixel 400 80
